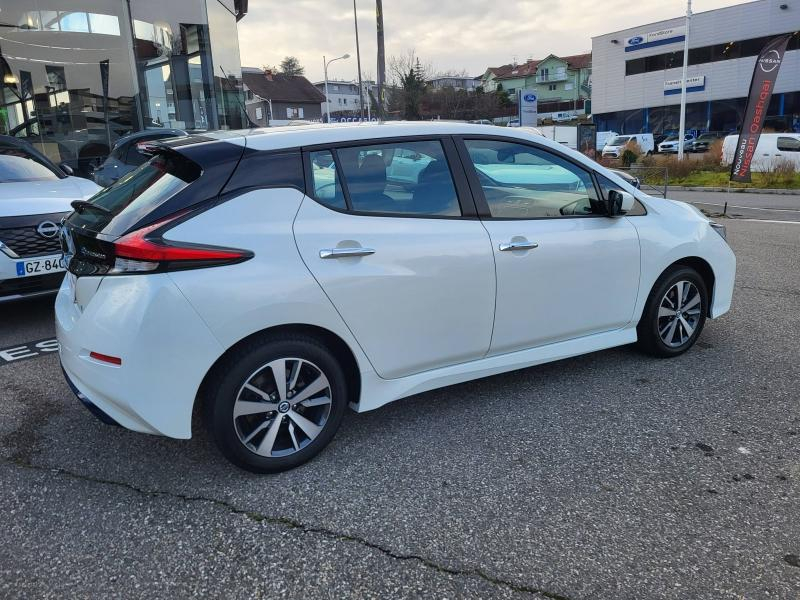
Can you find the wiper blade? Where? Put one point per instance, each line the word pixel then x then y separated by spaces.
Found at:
pixel 79 205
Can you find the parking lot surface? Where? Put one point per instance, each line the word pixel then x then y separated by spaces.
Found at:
pixel 611 475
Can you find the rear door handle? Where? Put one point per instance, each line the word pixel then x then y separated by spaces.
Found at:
pixel 526 245
pixel 345 252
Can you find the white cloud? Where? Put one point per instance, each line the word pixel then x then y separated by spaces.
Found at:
pixel 449 34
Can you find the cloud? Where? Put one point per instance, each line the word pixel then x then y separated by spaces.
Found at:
pixel 449 34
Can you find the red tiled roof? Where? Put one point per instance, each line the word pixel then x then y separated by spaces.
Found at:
pixel 528 68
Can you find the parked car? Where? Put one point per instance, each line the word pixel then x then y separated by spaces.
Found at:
pixel 244 275
pixel 657 139
pixel 127 154
pixel 513 123
pixel 772 148
pixel 627 177
pixel 603 137
pixel 35 195
pixel 481 122
pixel 616 145
pixel 670 145
pixel 704 141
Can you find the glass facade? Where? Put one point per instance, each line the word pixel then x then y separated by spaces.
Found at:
pixel 80 74
pixel 723 116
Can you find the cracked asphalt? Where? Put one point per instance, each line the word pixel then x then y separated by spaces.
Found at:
pixel 611 475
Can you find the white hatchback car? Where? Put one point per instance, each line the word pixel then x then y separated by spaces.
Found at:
pixel 271 278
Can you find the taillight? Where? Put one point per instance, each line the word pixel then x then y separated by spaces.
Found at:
pixel 144 251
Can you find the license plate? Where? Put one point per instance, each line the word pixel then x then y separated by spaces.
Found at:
pixel 40 266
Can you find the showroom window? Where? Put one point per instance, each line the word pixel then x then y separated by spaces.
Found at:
pixel 524 182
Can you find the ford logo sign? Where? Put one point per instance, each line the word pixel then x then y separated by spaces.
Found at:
pixel 529 97
pixel 635 40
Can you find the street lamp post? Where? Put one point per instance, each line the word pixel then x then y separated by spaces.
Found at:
pixel 325 64
pixel 682 127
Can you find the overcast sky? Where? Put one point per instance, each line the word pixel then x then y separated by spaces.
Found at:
pixel 447 34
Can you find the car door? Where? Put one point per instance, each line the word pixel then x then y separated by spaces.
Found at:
pixel 405 262
pixel 563 269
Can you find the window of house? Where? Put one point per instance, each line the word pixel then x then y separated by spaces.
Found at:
pixel 552 87
pixel 401 178
pixel 259 112
pixel 524 182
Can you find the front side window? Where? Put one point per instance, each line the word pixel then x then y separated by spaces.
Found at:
pixel 523 182
pixel 403 178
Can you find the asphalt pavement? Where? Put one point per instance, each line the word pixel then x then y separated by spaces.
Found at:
pixel 611 475
pixel 780 207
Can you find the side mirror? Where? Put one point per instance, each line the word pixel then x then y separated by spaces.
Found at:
pixel 66 168
pixel 618 203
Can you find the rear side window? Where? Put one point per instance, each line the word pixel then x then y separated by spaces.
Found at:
pixel 402 178
pixel 136 194
pixel 327 187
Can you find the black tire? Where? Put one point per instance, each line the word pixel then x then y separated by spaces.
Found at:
pixel 648 329
pixel 237 369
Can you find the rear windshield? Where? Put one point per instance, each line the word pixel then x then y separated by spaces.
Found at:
pixel 136 194
pixel 18 165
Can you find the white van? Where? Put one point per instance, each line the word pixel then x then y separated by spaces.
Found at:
pixel 772 148
pixel 616 145
pixel 562 117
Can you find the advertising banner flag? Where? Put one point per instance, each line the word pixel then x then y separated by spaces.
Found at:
pixel 761 87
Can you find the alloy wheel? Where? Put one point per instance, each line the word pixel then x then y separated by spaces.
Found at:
pixel 282 407
pixel 679 313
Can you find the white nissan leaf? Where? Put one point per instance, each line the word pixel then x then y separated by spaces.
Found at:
pixel 35 195
pixel 271 279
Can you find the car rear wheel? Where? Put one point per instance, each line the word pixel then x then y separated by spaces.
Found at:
pixel 276 403
pixel 675 313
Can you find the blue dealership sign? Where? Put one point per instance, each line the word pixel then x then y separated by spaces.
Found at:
pixel 528 108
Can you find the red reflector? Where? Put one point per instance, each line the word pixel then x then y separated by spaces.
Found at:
pixel 136 246
pixel 105 358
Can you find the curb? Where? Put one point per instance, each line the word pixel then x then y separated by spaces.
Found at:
pixel 779 192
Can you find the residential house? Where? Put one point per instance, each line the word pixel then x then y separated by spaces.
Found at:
pixel 457 83
pixel 275 99
pixel 561 83
pixel 343 99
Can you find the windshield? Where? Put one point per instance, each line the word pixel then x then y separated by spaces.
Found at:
pixel 136 194
pixel 18 165
pixel 619 140
pixel 671 138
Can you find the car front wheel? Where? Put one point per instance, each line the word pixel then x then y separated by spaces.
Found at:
pixel 675 313
pixel 276 403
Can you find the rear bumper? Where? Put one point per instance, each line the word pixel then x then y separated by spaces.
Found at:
pixel 165 348
pixel 92 408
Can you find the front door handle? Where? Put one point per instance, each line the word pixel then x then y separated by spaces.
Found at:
pixel 521 245
pixel 345 252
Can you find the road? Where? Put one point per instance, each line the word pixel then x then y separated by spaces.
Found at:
pixel 611 475
pixel 782 207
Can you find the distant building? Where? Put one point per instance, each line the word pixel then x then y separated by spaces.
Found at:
pixel 638 71
pixel 561 82
pixel 468 84
pixel 343 96
pixel 275 99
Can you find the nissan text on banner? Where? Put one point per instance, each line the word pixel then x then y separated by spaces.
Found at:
pixel 764 75
pixel 528 108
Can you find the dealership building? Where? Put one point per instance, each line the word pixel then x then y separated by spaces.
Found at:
pixel 79 74
pixel 636 77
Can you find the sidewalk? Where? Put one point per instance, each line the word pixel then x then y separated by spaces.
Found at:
pixel 733 190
